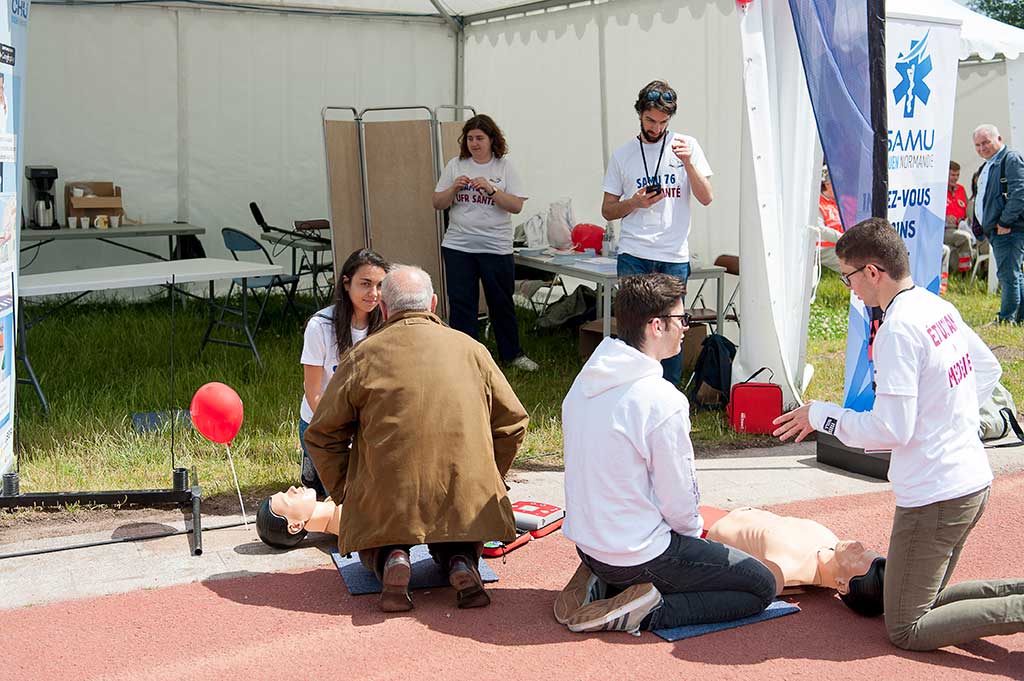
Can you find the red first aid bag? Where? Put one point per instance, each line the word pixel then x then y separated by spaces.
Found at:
pixel 753 406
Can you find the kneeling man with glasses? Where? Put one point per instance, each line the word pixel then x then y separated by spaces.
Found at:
pixel 931 373
pixel 631 488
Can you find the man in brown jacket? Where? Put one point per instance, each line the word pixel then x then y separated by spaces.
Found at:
pixel 433 427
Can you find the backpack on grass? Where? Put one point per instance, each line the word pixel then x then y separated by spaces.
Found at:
pixel 999 416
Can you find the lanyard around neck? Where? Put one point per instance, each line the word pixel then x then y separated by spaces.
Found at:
pixel 664 138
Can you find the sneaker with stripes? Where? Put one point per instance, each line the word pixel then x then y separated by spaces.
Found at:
pixel 582 589
pixel 624 612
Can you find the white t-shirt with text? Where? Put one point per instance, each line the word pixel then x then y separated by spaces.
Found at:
pixel 659 232
pixel 475 223
pixel 925 356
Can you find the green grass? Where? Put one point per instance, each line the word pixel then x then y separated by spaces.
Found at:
pixel 826 348
pixel 98 363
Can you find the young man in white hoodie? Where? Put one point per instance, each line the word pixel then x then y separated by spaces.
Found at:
pixel 631 488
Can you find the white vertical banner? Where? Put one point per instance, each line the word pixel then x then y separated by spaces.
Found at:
pixel 13 36
pixel 921 74
pixel 921 60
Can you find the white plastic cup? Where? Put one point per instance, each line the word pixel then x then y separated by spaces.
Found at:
pixel 78 191
pixel 72 222
pixel 115 221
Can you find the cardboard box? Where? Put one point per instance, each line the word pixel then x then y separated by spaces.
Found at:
pixel 104 199
pixel 591 336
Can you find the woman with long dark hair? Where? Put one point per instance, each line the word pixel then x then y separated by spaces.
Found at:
pixel 353 315
pixel 482 191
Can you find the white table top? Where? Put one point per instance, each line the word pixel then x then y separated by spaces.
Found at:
pixel 294 242
pixel 598 269
pixel 122 232
pixel 144 274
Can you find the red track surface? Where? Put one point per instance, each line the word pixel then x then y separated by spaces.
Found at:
pixel 305 625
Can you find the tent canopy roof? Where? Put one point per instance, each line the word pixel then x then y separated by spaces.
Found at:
pixel 980 35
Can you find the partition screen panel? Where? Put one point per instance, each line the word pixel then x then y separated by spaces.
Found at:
pixel 450 132
pixel 400 179
pixel 346 189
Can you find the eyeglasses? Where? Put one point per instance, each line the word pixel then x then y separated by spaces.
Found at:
pixel 845 278
pixel 655 95
pixel 685 318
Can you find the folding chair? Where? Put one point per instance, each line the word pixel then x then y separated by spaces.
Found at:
pixel 530 281
pixel 237 242
pixel 311 263
pixel 699 312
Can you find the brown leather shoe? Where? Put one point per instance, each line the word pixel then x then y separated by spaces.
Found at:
pixel 469 588
pixel 395 597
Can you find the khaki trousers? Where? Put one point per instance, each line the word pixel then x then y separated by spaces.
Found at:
pixel 921 611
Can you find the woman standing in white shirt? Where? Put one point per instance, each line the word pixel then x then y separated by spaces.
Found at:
pixel 482 191
pixel 354 315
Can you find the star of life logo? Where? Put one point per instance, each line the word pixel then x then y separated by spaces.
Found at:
pixel 913 67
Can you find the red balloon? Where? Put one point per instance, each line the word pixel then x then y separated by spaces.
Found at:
pixel 217 412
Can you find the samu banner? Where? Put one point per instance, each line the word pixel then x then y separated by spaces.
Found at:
pixel 921 75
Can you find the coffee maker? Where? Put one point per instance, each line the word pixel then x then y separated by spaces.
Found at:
pixel 42 214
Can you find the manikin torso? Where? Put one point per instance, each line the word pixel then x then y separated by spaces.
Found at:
pixel 788 546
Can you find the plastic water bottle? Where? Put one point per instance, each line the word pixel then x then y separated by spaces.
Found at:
pixel 608 243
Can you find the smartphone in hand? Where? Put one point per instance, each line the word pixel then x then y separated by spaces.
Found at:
pixel 653 189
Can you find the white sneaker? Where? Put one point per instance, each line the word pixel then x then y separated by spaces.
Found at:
pixel 525 363
pixel 624 612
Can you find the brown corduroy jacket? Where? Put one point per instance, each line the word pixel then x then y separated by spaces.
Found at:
pixel 434 427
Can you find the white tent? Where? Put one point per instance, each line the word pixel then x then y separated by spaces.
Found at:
pixel 197 109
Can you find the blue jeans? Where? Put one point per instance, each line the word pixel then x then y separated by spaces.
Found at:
pixel 308 475
pixel 671 368
pixel 1008 252
pixel 464 274
pixel 701 581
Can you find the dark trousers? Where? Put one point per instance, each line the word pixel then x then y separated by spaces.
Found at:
pixel 671 368
pixel 464 273
pixel 442 553
pixel 700 581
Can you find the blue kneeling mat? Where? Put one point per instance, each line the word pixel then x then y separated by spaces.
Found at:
pixel 776 609
pixel 425 572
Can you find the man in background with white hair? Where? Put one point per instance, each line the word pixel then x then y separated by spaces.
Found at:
pixel 413 436
pixel 1000 212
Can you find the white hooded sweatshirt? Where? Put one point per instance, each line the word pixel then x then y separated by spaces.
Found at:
pixel 629 473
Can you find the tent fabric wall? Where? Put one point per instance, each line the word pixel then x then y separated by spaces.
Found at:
pixel 780 186
pixel 103 114
pixel 561 128
pixel 981 97
pixel 234 96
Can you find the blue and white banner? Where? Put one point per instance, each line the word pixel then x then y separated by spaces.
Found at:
pixel 921 76
pixel 13 38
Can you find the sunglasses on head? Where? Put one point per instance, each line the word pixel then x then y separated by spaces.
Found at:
pixel 655 95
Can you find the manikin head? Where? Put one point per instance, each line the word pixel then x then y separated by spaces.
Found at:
pixel 656 105
pixel 481 138
pixel 857 574
pixel 281 518
pixel 407 288
pixel 987 141
pixel 649 314
pixel 872 257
